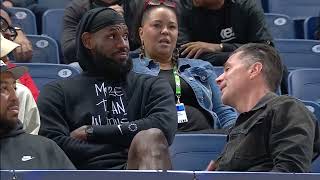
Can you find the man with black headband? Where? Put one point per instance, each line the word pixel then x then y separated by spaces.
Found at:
pixel 77 8
pixel 109 117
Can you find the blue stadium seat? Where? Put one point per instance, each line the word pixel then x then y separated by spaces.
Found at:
pixel 52 21
pixel 304 84
pixel 315 167
pixel 259 3
pixel 45 49
pixel 194 151
pixel 314 108
pixel 102 175
pixel 43 73
pixel 54 4
pixel 281 26
pixel 299 52
pixel 225 175
pixel 265 5
pixel 296 9
pixel 25 19
pixel 310 27
pixel 52 25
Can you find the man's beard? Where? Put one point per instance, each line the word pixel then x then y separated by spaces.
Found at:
pixel 109 68
pixel 7 126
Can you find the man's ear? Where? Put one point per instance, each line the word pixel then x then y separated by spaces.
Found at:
pixel 141 34
pixel 255 70
pixel 86 38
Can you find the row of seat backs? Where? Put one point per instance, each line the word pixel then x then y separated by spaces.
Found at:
pixel 280 25
pixel 44 73
pixel 147 175
pixel 193 152
pixel 293 8
pixel 53 4
pixel 294 53
pixel 296 9
pixel 303 84
pixel 291 50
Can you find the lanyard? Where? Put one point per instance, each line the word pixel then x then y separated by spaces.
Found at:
pixel 177 82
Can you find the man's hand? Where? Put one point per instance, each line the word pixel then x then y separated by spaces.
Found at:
pixel 195 49
pixel 80 133
pixel 24 52
pixel 212 166
pixel 118 8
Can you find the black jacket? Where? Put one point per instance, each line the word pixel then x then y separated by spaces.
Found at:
pixel 70 104
pixel 22 151
pixel 279 134
pixel 236 23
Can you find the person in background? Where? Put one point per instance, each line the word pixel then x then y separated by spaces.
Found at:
pixel 212 29
pixel 272 133
pixel 109 117
pixel 193 81
pixel 11 33
pixel 24 52
pixel 19 150
pixel 32 5
pixel 28 110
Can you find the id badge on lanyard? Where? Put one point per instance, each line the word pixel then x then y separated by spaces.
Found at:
pixel 181 111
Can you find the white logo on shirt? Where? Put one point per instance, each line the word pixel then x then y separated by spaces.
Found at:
pixel 2 63
pixel 26 158
pixel 227 34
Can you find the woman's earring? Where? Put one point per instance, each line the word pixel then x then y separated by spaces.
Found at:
pixel 176 53
pixel 142 53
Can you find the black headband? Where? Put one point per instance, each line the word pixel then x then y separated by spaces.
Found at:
pixel 102 17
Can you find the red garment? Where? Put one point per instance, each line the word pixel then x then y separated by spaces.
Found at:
pixel 26 80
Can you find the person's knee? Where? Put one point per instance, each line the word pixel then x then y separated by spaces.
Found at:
pixel 151 140
pixel 149 150
pixel 153 135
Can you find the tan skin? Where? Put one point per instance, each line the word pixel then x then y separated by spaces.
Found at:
pixel 9 108
pixel 237 81
pixel 113 42
pixel 159 33
pixel 195 49
pixel 24 52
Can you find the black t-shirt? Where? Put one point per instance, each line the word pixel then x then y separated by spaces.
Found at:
pixel 198 118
